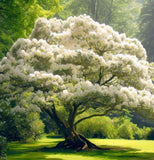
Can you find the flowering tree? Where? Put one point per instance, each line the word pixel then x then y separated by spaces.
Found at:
pixel 68 67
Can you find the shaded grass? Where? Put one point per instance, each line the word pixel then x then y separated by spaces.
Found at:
pixel 117 150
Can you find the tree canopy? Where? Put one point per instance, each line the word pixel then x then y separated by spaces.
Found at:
pixel 68 67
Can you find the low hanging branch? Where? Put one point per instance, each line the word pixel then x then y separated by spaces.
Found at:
pixel 82 111
pixel 93 115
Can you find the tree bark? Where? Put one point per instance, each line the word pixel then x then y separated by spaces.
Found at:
pixel 76 141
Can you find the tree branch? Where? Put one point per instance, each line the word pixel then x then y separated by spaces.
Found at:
pixel 86 107
pixel 108 80
pixel 72 115
pixel 100 76
pixel 83 104
pixel 93 115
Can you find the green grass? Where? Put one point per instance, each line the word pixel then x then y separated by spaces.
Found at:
pixel 118 150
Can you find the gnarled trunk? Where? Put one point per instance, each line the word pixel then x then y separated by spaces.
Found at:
pixel 75 141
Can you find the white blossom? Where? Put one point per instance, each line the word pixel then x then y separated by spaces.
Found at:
pixel 78 60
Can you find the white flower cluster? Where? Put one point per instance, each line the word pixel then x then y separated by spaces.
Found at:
pixel 112 96
pixel 18 109
pixel 129 69
pixel 83 32
pixel 82 57
pixel 46 79
pixel 71 59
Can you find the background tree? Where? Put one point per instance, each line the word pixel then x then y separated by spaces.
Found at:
pixel 49 5
pixel 121 15
pixel 147 28
pixel 70 67
pixel 17 19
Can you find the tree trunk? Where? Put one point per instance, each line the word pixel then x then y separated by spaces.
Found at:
pixel 73 140
pixel 76 141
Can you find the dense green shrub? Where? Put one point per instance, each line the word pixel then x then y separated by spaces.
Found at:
pixel 99 127
pixel 138 133
pixel 27 126
pixel 3 148
pixel 18 124
pixel 150 135
pixel 125 131
pixel 128 130
pixel 104 127
pixel 37 129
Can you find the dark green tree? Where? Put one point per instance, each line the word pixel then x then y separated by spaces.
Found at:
pixel 12 22
pixel 147 28
pixel 50 5
pixel 17 19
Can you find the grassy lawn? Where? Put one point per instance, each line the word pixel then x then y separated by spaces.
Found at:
pixel 118 150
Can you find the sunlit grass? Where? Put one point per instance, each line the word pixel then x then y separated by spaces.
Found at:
pixel 139 145
pixel 118 150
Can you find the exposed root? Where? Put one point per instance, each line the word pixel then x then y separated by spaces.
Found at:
pixel 80 144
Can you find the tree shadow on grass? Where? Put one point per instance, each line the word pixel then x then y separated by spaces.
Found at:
pixel 32 156
pixel 58 136
pixel 45 152
pixel 16 148
pixel 30 151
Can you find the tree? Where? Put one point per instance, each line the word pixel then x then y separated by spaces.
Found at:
pixel 73 66
pixel 120 14
pixel 147 28
pixel 17 19
pixel 50 5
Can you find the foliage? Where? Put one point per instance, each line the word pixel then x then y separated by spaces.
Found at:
pixel 104 127
pixel 121 15
pixel 3 148
pixel 17 124
pixel 125 131
pixel 49 5
pixel 124 124
pixel 150 135
pixel 17 19
pixel 37 129
pixel 147 28
pixel 5 43
pixel 50 125
pixel 100 69
pixel 97 128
